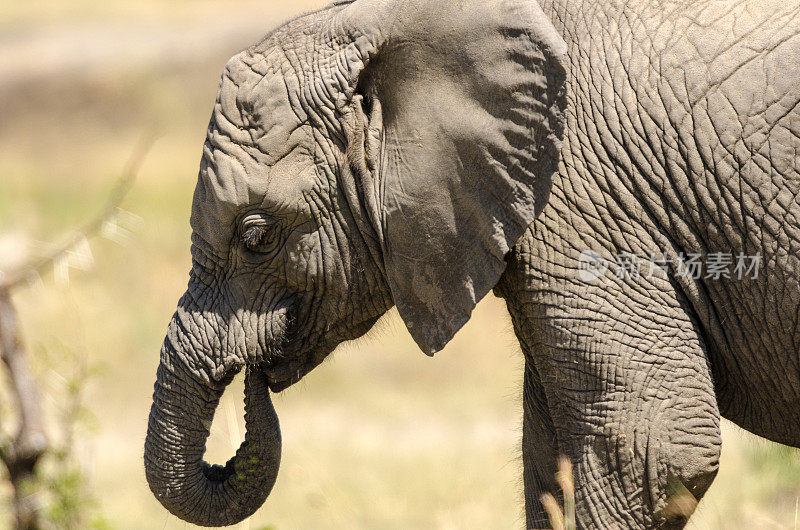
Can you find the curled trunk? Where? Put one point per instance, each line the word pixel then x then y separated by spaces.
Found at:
pixel 180 421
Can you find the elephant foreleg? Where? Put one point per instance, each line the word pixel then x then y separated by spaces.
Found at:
pixel 616 380
pixel 539 449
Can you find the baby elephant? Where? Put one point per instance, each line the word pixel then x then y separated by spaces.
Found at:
pixel 623 173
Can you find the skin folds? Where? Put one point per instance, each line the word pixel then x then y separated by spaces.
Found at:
pixel 421 153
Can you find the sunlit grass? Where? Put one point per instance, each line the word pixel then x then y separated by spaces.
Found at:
pixel 55 11
pixel 562 517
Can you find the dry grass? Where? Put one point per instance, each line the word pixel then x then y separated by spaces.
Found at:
pixel 378 437
pixel 562 519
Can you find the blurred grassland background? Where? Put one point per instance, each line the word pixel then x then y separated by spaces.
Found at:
pixel 380 436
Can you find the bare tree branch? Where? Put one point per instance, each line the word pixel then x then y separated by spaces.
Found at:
pixel 115 198
pixel 21 454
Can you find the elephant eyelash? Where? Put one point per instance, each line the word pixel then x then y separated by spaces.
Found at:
pixel 256 238
pixel 253 235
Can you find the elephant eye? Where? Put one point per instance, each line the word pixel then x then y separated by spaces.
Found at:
pixel 259 235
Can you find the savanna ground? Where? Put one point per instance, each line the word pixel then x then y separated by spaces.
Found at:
pixel 380 436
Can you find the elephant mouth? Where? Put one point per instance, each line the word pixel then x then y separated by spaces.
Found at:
pixel 278 381
pixel 298 357
pixel 284 373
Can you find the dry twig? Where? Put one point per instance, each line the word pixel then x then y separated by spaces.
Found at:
pixel 21 454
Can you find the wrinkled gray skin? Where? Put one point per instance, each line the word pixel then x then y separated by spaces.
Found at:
pixel 397 152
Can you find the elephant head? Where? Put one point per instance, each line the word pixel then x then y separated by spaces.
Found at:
pixel 371 154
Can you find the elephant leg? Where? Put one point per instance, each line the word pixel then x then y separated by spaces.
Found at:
pixel 539 449
pixel 624 385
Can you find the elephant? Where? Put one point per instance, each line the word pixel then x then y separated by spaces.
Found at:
pixel 422 153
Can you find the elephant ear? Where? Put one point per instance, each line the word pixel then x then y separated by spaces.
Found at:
pixel 457 113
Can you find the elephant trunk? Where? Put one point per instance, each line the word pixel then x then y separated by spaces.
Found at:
pixel 180 421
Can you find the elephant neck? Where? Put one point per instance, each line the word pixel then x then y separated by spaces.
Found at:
pixel 628 132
